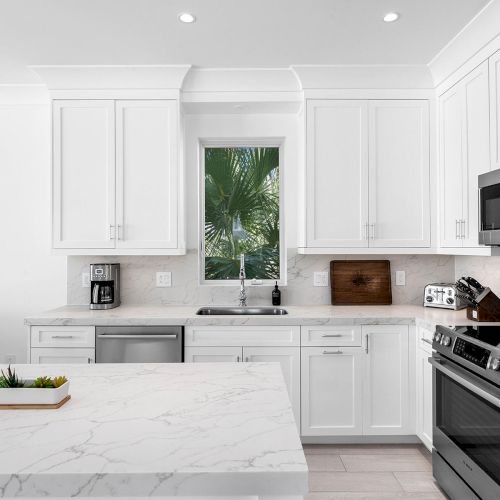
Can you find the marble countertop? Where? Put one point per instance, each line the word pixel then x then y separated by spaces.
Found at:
pixel 156 430
pixel 298 315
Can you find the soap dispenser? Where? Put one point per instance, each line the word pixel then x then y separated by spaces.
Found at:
pixel 276 295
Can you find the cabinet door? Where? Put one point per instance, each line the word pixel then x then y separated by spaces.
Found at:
pixel 386 382
pixel 399 174
pixel 62 355
pixel 83 209
pixel 476 148
pixel 336 173
pixel 494 71
pixel 146 174
pixel 451 165
pixel 331 384
pixel 289 358
pixel 212 354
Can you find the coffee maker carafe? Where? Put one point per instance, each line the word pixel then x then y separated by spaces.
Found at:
pixel 104 286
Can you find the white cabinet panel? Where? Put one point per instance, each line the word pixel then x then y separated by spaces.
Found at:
pixel 289 358
pixel 146 174
pixel 83 174
pixel 424 386
pixel 494 75
pixel 212 354
pixel 386 383
pixel 62 336
pixel 62 355
pixel 331 384
pixel 399 174
pixel 336 173
pixel 348 335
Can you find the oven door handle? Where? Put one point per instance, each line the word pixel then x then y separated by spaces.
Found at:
pixel 474 384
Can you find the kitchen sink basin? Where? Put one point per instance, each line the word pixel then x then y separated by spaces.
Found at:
pixel 241 311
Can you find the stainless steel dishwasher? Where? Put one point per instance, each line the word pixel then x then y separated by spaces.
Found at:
pixel 139 344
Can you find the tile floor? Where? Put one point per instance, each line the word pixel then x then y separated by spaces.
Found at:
pixel 370 472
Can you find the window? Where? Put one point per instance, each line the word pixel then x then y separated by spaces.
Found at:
pixel 241 212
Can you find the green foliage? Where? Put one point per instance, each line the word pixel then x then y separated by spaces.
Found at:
pixel 242 212
pixel 43 383
pixel 10 379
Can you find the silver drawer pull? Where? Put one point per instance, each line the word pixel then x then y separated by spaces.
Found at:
pixel 108 336
pixel 332 335
pixel 333 352
pixel 63 336
pixel 427 341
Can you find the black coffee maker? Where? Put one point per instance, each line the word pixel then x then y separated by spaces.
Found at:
pixel 104 286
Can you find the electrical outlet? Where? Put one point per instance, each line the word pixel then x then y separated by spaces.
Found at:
pixel 10 359
pixel 85 280
pixel 163 279
pixel 400 278
pixel 321 278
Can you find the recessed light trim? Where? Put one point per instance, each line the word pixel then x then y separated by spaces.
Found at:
pixel 186 17
pixel 391 17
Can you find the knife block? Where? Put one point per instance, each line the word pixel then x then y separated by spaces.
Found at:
pixel 487 310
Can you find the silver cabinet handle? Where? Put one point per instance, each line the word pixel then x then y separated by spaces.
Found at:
pixel 462 229
pixel 372 231
pixel 63 336
pixel 111 232
pixel 366 339
pixel 109 336
pixel 427 341
pixel 327 335
pixel 333 352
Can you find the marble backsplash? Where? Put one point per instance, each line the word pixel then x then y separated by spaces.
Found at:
pixel 485 269
pixel 138 275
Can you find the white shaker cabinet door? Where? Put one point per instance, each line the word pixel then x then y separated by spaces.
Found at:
pixel 399 173
pixel 146 174
pixel 424 386
pixel 83 174
pixel 62 355
pixel 331 398
pixel 212 354
pixel 476 149
pixel 289 359
pixel 336 173
pixel 494 73
pixel 386 383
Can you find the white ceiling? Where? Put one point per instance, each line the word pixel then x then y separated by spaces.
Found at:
pixel 228 33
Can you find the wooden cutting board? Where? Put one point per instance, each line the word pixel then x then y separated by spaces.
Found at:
pixel 361 282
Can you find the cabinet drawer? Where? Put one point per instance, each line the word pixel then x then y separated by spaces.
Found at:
pixel 242 336
pixel 62 336
pixel 62 355
pixel 342 335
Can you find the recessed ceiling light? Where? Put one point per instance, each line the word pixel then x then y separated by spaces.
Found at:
pixel 186 17
pixel 390 17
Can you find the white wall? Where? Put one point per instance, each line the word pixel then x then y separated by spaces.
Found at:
pixel 31 279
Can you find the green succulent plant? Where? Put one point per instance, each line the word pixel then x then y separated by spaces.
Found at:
pixel 58 381
pixel 43 383
pixel 10 379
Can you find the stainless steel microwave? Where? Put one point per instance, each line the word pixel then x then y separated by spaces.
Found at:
pixel 489 208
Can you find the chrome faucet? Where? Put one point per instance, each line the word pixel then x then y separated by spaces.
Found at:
pixel 243 293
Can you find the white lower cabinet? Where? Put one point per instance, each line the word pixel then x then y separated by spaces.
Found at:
pixel 212 354
pixel 424 387
pixel 332 398
pixel 62 355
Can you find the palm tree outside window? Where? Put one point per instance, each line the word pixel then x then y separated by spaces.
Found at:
pixel 241 212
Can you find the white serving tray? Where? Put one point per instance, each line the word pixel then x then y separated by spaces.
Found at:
pixel 32 395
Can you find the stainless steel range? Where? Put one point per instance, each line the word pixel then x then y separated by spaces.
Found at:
pixel 466 392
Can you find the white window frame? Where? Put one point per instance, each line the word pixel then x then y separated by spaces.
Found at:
pixel 276 142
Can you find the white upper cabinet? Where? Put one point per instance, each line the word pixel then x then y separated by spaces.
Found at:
pixel 117 177
pixel 146 174
pixel 367 174
pixel 495 110
pixel 464 154
pixel 337 173
pixel 399 174
pixel 83 174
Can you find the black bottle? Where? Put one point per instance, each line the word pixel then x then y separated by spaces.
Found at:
pixel 276 295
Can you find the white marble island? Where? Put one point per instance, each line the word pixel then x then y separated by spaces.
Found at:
pixel 223 430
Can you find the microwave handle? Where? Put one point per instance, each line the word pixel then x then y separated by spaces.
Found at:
pixel 475 385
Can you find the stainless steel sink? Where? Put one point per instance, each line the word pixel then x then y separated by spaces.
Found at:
pixel 241 311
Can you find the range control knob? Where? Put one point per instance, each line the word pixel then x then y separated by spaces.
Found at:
pixel 495 364
pixel 437 337
pixel 446 340
pixel 429 298
pixel 449 300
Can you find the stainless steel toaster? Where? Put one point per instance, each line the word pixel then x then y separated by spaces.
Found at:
pixel 443 295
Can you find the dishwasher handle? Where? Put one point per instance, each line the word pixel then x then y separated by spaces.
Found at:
pixel 123 336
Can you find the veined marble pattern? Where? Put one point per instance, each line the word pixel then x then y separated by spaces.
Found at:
pixel 485 269
pixel 138 276
pixel 156 430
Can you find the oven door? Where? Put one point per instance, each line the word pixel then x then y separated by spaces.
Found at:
pixel 466 429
